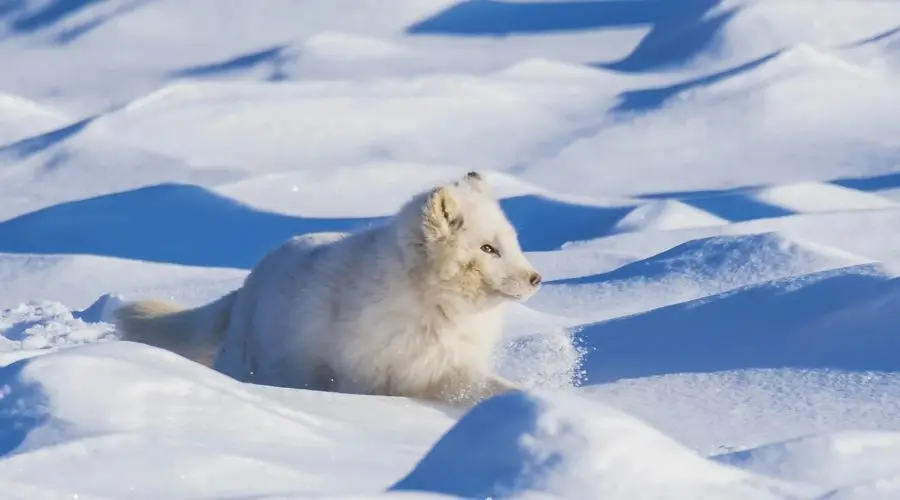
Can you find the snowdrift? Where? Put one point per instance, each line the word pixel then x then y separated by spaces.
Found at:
pixel 688 271
pixel 769 325
pixel 171 428
pixel 162 433
pixel 517 444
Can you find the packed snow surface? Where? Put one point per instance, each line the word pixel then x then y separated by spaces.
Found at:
pixel 709 187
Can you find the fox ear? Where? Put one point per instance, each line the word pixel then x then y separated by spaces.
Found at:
pixel 476 180
pixel 442 215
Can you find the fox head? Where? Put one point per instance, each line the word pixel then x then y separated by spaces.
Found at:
pixel 468 242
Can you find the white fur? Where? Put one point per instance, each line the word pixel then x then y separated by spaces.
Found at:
pixel 412 307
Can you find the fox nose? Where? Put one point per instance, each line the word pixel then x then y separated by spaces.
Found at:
pixel 535 279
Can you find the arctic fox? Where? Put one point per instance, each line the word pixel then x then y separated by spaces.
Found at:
pixel 412 307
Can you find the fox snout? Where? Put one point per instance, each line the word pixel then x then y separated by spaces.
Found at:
pixel 527 283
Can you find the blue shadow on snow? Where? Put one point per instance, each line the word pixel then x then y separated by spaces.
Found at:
pixel 874 183
pixel 19 18
pixel 189 225
pixel 676 37
pixel 788 323
pixel 463 464
pixel 678 29
pixel 866 184
pixel 886 35
pixel 737 207
pixel 273 57
pixel 544 224
pixel 702 258
pixel 23 407
pixel 653 98
pixel 38 143
pixel 497 18
pixel 52 13
pixel 172 223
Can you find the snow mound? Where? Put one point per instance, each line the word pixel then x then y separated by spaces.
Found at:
pixel 541 68
pixel 758 326
pixel 353 122
pixel 374 189
pixel 813 197
pixel 161 433
pixel 516 445
pixel 767 26
pixel 765 406
pixel 784 200
pixel 802 61
pixel 141 391
pixel 544 220
pixel 833 461
pixel 734 258
pixel 51 168
pixel 691 270
pixel 865 233
pixel 184 212
pixel 661 215
pixel 168 213
pixel 21 118
pixel 837 113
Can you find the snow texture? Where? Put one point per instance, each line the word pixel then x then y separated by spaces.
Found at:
pixel 710 189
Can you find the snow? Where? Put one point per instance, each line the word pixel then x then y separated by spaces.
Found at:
pixel 573 448
pixel 666 214
pixel 21 118
pixel 709 187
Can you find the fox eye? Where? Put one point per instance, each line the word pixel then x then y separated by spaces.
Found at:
pixel 490 249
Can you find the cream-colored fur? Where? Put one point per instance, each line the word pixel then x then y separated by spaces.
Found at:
pixel 193 333
pixel 412 307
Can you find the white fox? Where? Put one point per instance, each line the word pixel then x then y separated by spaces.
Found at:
pixel 412 307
